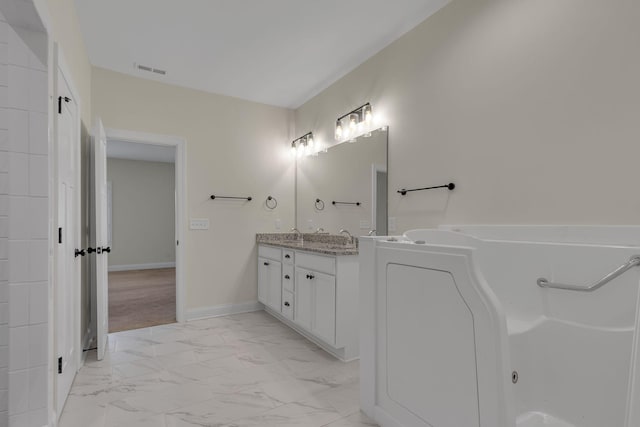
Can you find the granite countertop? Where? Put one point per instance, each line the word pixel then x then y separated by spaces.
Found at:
pixel 328 244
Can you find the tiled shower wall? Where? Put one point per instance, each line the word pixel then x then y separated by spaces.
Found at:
pixel 24 213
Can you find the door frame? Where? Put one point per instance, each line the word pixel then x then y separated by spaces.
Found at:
pixel 59 63
pixel 375 168
pixel 180 210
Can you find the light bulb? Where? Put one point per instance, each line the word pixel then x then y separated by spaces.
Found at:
pixel 368 115
pixel 310 143
pixel 353 123
pixel 293 149
pixel 339 131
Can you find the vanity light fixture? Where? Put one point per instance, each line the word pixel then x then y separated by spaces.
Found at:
pixel 359 121
pixel 304 145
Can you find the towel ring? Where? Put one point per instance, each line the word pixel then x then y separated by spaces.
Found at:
pixel 319 205
pixel 273 204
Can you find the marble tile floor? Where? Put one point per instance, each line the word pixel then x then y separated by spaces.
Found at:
pixel 234 371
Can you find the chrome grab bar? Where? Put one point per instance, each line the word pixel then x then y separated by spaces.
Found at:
pixel 633 262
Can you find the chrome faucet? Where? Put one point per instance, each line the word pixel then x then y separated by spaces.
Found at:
pixel 295 230
pixel 372 233
pixel 320 230
pixel 343 231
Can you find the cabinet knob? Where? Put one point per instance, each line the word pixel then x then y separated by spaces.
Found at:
pixel 286 304
pixel 266 263
pixel 287 256
pixel 287 277
pixel 310 276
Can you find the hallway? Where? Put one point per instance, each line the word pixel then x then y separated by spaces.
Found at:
pixel 141 298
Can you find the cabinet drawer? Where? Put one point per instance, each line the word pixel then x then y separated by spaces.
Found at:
pixel 319 263
pixel 287 277
pixel 287 305
pixel 287 256
pixel 269 252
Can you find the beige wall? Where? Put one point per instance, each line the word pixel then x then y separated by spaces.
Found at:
pixel 531 107
pixel 143 212
pixel 234 148
pixel 64 29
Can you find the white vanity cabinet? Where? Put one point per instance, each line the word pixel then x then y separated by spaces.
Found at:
pixel 269 278
pixel 315 304
pixel 318 295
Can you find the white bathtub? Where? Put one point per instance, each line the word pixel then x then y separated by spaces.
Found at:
pixel 447 324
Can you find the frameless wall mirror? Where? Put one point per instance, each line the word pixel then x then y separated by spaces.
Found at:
pixel 345 187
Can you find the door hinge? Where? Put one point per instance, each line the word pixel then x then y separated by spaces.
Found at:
pixel 177 242
pixel 59 365
pixel 59 234
pixel 60 99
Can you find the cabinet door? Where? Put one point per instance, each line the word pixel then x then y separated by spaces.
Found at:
pixel 303 307
pixel 275 285
pixel 324 307
pixel 263 280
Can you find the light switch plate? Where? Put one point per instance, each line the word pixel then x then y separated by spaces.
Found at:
pixel 199 224
pixel 392 224
pixel 310 224
pixel 278 224
pixel 364 224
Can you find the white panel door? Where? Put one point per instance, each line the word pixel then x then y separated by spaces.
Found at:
pixel 101 236
pixel 275 285
pixel 263 280
pixel 270 283
pixel 67 265
pixel 303 307
pixel 324 306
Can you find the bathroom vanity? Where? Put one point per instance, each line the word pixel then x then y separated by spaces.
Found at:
pixel 311 285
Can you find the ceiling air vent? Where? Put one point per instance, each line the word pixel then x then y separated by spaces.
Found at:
pixel 149 69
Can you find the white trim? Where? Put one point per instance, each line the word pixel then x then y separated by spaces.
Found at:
pixel 148 266
pixel 223 310
pixel 181 199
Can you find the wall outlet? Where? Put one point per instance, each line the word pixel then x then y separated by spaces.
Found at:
pixel 199 224
pixel 365 225
pixel 310 224
pixel 392 224
pixel 278 224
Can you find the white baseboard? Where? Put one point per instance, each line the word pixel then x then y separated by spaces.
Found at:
pixel 223 310
pixel 150 266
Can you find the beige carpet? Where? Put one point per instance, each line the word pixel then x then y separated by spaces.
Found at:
pixel 141 298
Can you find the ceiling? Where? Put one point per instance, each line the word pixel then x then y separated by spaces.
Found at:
pixel 146 152
pixel 278 52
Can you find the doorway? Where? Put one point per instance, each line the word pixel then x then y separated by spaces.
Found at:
pixel 379 197
pixel 144 198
